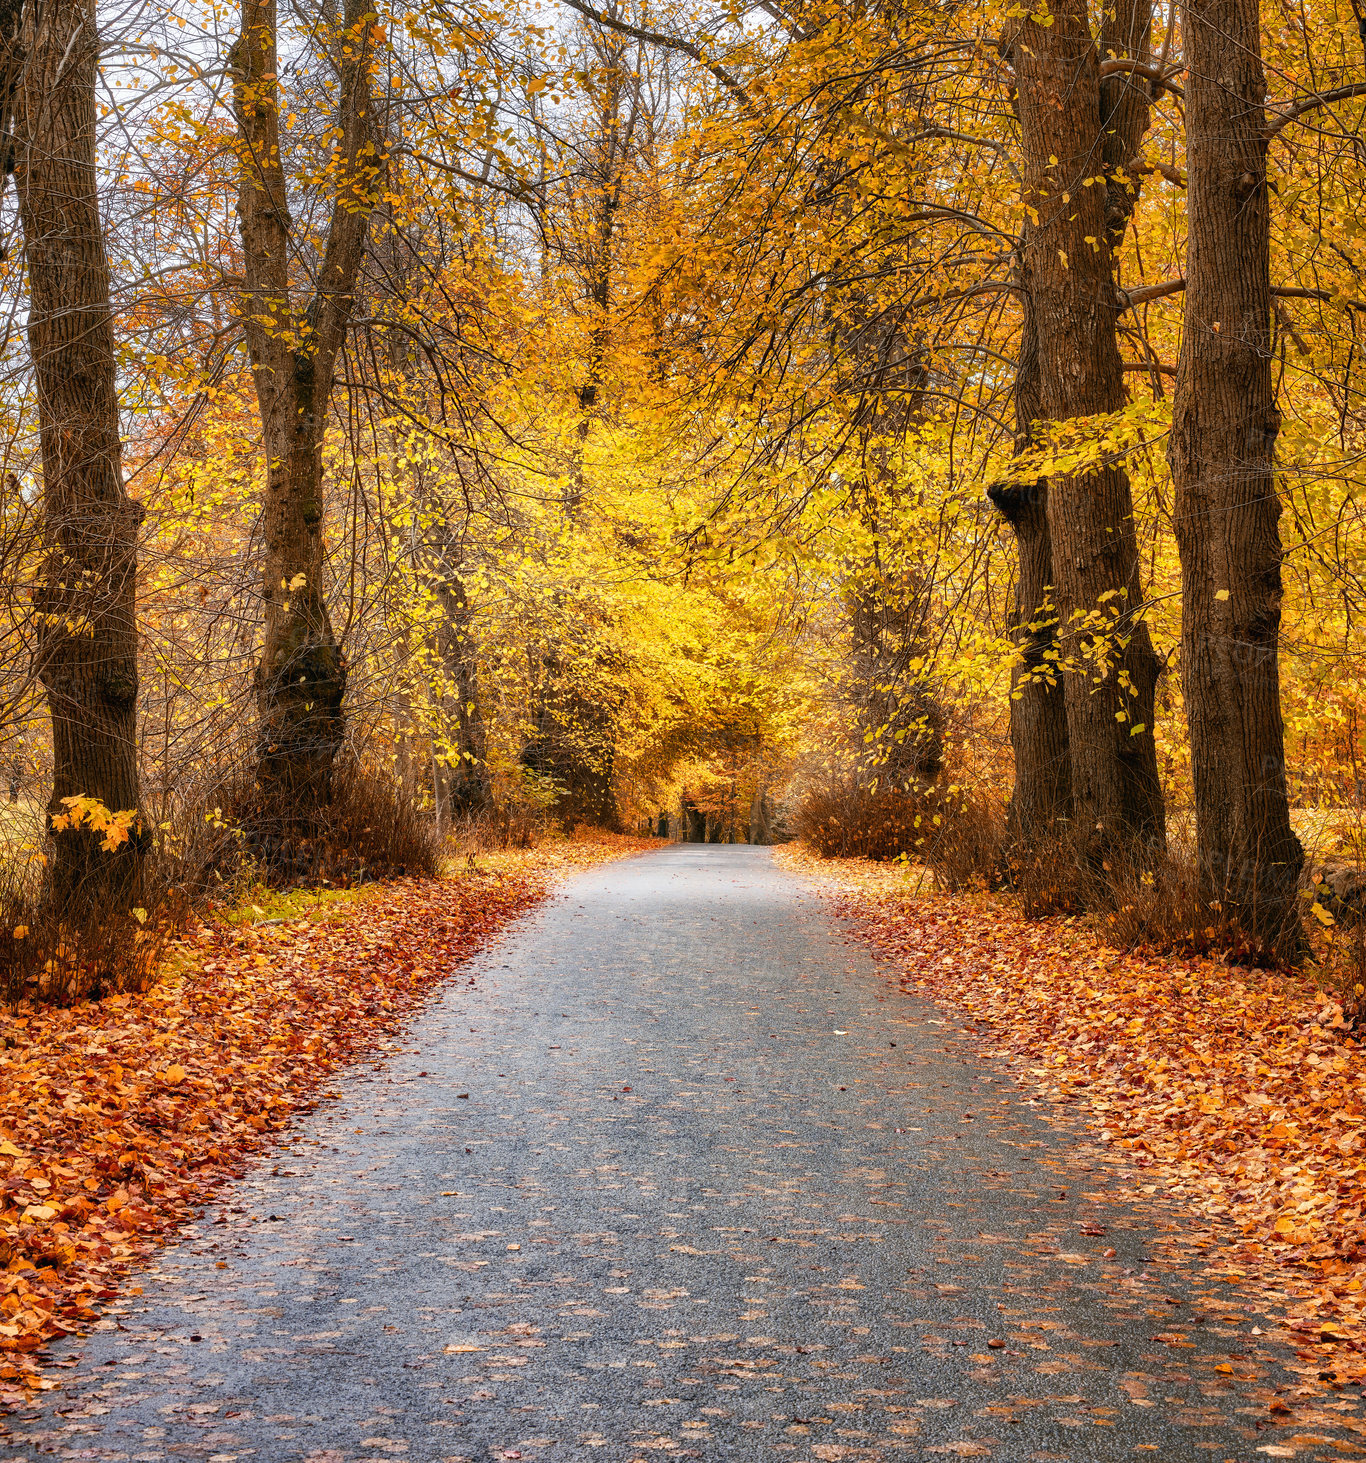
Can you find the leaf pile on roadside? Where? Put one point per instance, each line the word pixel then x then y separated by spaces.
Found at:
pixel 1235 1093
pixel 119 1118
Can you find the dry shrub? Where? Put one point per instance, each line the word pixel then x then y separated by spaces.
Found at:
pixel 1342 972
pixel 1338 941
pixel 842 819
pixel 964 848
pixel 374 831
pixel 515 825
pixel 1161 909
pixel 1050 877
pixel 214 850
pixel 955 831
pixel 89 946
pixel 369 830
pixel 80 953
pixel 491 829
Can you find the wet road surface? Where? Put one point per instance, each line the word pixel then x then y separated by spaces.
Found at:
pixel 679 1175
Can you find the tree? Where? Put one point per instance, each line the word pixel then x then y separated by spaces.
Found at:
pixel 1109 670
pixel 87 639
pixel 1224 430
pixel 1041 800
pixel 301 677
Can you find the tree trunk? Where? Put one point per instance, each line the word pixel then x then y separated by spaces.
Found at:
pixel 761 817
pixel 1109 669
pixel 1227 509
pixel 1041 801
pixel 466 788
pixel 1125 34
pixel 898 723
pixel 87 648
pixel 301 678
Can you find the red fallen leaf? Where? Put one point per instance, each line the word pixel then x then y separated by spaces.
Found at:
pixel 1093 1229
pixel 996 1345
pixel 1222 1088
pixel 250 1033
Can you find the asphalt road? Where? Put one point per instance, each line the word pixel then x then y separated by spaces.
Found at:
pixel 680 1174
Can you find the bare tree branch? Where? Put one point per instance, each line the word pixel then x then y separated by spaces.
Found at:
pixel 1312 103
pixel 674 43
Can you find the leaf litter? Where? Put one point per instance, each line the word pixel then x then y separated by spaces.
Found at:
pixel 120 1118
pixel 1236 1097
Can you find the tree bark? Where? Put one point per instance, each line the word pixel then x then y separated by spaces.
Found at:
pixel 1041 800
pixel 1125 34
pixel 87 646
pixel 301 678
pixel 1109 669
pixel 898 723
pixel 464 788
pixel 1227 508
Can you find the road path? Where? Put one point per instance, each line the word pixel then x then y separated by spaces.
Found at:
pixel 673 1171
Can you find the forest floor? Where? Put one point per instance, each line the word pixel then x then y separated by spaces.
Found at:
pixel 1237 1095
pixel 120 1118
pixel 675 1167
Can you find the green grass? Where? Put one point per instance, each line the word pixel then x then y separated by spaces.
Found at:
pixel 271 906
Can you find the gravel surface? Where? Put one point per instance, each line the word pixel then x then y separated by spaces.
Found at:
pixel 671 1170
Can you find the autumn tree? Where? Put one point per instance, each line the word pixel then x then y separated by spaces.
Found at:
pixel 572 735
pixel 87 640
pixel 1224 429
pixel 293 344
pixel 1108 668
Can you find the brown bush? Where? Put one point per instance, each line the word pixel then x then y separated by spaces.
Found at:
pixel 955 831
pixel 964 848
pixel 1051 877
pixel 1161 909
pixel 369 830
pixel 217 847
pixel 87 947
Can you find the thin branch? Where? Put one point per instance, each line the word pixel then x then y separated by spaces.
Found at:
pixel 1291 293
pixel 675 43
pixel 1130 299
pixel 521 194
pixel 1158 75
pixel 1140 167
pixel 1311 103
